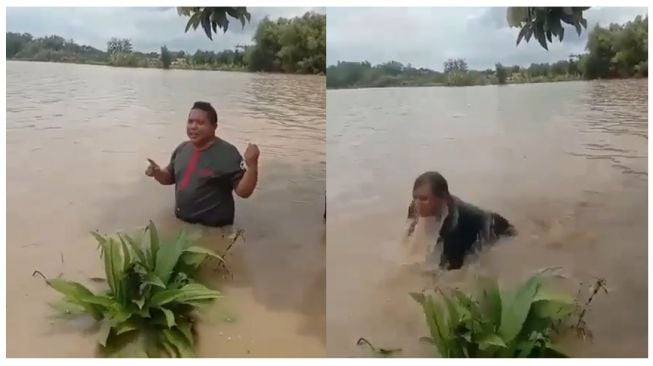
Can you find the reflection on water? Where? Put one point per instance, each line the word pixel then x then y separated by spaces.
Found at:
pixel 77 140
pixel 565 162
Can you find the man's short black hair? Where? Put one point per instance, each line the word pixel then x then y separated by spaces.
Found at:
pixel 439 186
pixel 208 108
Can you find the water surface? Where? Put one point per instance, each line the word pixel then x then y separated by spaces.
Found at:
pixel 77 140
pixel 565 162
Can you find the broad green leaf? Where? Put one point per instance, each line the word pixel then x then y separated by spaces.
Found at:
pixel 178 341
pixel 552 309
pixel 491 340
pixel 190 292
pixel 548 293
pixel 154 244
pixel 127 261
pixel 169 348
pixel 136 249
pixel 452 309
pixel 190 262
pixel 67 308
pixel 73 291
pixel 200 250
pixel 435 320
pixel 186 330
pixel 468 305
pixel 170 317
pixel 490 300
pixel 113 266
pixel 105 302
pixel 102 241
pixel 515 312
pixel 103 334
pixel 153 280
pixel 125 327
pixel 168 256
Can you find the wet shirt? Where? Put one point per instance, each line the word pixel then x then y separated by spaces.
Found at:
pixel 204 182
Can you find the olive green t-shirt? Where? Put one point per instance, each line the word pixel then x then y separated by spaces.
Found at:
pixel 204 181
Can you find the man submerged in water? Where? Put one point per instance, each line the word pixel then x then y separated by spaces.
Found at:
pixel 464 227
pixel 205 170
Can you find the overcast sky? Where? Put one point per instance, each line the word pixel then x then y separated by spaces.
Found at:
pixel 426 37
pixel 148 28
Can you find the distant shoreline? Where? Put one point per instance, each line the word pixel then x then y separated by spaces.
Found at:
pixel 444 85
pixel 225 69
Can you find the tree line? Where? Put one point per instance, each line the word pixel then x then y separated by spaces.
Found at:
pixel 616 51
pixel 296 45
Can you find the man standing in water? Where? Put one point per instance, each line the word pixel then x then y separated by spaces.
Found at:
pixel 463 227
pixel 205 170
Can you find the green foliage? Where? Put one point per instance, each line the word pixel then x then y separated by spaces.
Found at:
pixel 502 73
pixel 116 45
pixel 295 45
pixel 212 18
pixel 166 58
pixel 522 322
pixel 452 65
pixel 544 23
pixel 50 48
pixel 152 293
pixel 616 51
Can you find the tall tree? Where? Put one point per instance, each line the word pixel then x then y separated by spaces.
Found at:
pixel 502 73
pixel 166 58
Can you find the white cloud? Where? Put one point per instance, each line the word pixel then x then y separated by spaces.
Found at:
pixel 426 37
pixel 149 28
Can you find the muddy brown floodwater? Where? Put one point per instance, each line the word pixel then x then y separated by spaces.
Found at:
pixel 566 162
pixel 77 140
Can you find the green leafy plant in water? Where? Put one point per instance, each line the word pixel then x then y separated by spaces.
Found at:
pixel 495 323
pixel 152 293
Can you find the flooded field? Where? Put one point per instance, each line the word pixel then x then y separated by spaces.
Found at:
pixel 77 142
pixel 565 162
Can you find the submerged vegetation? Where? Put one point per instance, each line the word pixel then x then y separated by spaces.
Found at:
pixel 152 294
pixel 616 51
pixel 494 322
pixel 296 45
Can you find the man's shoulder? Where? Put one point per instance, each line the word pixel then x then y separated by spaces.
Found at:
pixel 183 145
pixel 224 145
pixel 225 153
pixel 469 210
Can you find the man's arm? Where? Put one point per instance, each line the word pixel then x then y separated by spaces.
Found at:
pixel 163 176
pixel 246 185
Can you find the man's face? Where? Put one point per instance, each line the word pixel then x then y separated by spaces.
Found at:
pixel 427 204
pixel 199 128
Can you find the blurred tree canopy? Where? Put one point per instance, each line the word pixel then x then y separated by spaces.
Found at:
pixel 545 23
pixel 615 51
pixel 212 18
pixel 296 45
